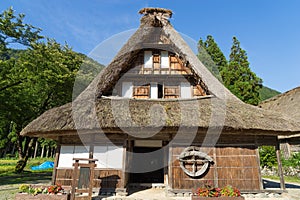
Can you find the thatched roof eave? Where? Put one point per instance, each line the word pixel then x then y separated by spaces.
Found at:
pixel 238 118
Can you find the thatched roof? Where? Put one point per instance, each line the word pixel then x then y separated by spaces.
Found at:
pixel 288 104
pixel 92 111
pixel 239 118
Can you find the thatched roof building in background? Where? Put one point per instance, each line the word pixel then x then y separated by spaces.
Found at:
pixel 287 104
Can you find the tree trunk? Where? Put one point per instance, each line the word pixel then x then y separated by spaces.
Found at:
pixel 13 150
pixel 24 153
pixel 47 152
pixel 42 154
pixel 35 149
pixel 5 151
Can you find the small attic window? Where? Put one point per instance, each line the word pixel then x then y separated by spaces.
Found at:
pixel 148 59
pixel 165 59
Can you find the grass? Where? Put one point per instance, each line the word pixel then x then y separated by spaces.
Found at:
pixel 7 166
pixel 290 179
pixel 10 181
pixel 8 175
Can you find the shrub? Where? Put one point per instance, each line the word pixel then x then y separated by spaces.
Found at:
pixel 24 188
pixel 267 156
pixel 294 161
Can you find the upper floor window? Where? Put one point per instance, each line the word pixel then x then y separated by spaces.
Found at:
pixel 159 62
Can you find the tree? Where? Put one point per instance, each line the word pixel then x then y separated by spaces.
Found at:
pixel 235 75
pixel 13 30
pixel 211 56
pixel 239 78
pixel 38 77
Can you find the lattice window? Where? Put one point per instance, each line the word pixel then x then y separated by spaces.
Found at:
pixel 171 92
pixel 141 92
pixel 177 66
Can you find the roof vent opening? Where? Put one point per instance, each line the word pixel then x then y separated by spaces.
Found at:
pixel 157 17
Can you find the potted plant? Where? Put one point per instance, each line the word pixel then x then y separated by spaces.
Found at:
pixel 208 192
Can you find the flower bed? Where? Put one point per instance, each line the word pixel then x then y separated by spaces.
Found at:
pixel 25 196
pixel 207 191
pixel 217 198
pixel 34 192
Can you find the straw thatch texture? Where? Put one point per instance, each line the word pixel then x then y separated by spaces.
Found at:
pixel 164 38
pixel 242 118
pixel 287 103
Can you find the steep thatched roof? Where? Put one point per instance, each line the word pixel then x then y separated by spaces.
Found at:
pixel 92 111
pixel 288 104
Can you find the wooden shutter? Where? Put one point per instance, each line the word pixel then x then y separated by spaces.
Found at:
pixel 171 92
pixel 141 92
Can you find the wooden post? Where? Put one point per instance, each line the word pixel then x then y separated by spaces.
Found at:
pixel 92 173
pixel 92 144
pixel 56 160
pixel 123 182
pixel 216 182
pixel 170 166
pixel 166 162
pixel 280 171
pixel 74 181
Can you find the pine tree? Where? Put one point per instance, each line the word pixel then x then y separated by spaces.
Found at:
pixel 211 56
pixel 239 78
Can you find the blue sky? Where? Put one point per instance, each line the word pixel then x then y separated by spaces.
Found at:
pixel 269 30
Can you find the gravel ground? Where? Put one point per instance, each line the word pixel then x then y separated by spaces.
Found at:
pixel 7 192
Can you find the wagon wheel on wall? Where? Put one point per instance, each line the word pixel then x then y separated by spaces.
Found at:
pixel 198 161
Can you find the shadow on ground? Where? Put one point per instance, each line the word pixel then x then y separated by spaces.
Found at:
pixel 274 184
pixel 25 177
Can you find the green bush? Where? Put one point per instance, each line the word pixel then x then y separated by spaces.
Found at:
pixel 294 161
pixel 267 156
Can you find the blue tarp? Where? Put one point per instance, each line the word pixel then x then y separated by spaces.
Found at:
pixel 45 165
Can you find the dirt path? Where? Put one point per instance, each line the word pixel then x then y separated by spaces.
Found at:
pixel 9 187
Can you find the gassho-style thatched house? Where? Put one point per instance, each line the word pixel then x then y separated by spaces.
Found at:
pixel 157 115
pixel 288 104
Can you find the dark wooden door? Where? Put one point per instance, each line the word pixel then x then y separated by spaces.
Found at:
pixel 152 162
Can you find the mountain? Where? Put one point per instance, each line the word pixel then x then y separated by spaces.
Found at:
pixel 266 93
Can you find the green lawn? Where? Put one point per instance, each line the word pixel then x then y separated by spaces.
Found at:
pixel 7 166
pixel 10 181
pixel 290 179
pixel 9 185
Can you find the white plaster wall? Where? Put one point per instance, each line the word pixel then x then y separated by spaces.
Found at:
pixel 165 63
pixel 109 156
pixel 185 90
pixel 148 59
pixel 154 90
pixel 67 153
pixel 127 89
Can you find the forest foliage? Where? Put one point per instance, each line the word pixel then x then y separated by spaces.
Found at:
pixel 235 73
pixel 36 76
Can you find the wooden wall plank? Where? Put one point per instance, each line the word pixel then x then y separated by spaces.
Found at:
pixel 236 166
